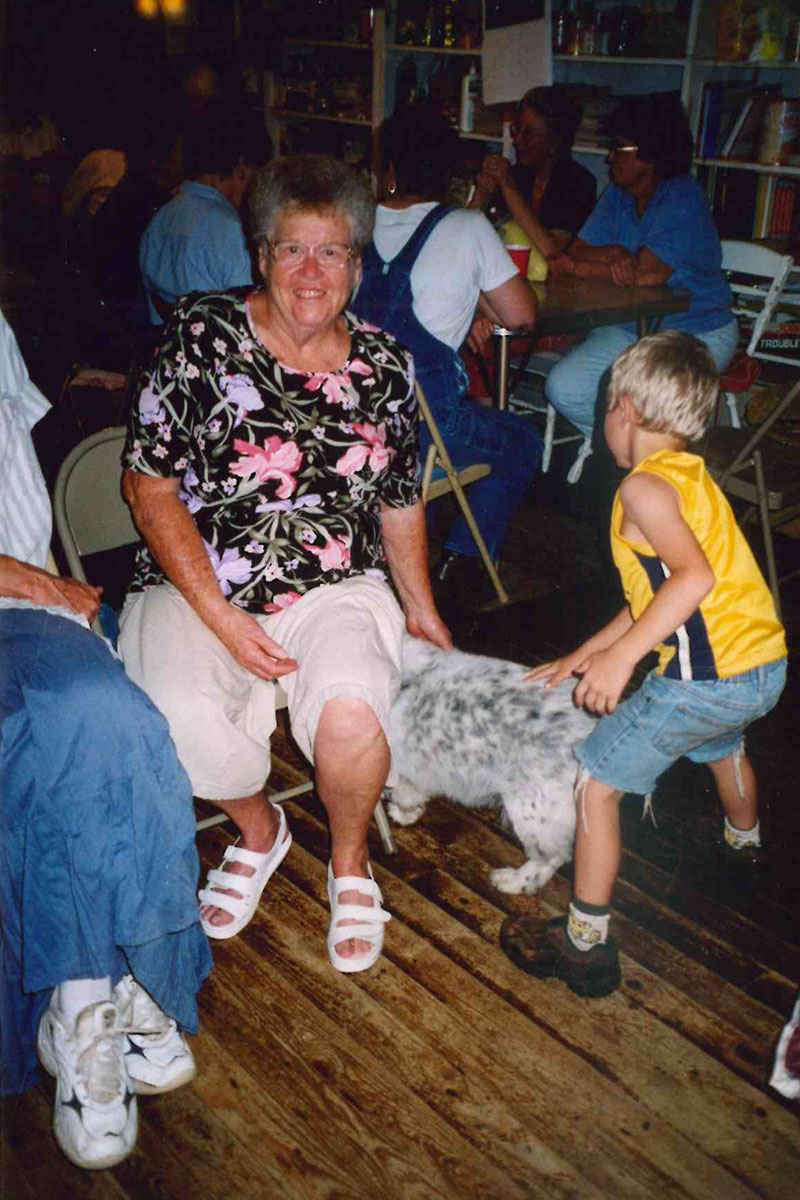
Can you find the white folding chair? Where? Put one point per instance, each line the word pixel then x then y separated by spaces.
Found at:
pixel 439 477
pixel 758 277
pixel 91 516
pixel 538 364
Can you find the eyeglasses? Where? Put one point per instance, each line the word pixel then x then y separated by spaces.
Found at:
pixel 333 255
pixel 615 149
pixel 526 133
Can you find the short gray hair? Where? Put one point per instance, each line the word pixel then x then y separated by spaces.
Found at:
pixel 670 379
pixel 312 182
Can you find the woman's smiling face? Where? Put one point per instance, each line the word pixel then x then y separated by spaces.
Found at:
pixel 309 293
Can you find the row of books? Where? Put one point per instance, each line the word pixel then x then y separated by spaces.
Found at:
pixel 729 119
pixel 747 205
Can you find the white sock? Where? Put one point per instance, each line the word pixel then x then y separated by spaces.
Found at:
pixel 71 997
pixel 737 838
pixel 587 924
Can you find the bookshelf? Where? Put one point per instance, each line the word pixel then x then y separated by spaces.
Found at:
pixel 309 107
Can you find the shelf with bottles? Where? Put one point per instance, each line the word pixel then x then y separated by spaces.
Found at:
pixel 317 83
pixel 609 31
pixel 446 26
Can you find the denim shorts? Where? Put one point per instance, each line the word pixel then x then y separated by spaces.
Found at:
pixel 703 720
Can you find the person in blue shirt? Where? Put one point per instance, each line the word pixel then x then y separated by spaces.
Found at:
pixel 651 226
pixel 196 242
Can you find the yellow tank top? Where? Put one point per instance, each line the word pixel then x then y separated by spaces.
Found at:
pixel 736 626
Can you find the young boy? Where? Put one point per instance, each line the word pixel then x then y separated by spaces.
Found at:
pixel 695 594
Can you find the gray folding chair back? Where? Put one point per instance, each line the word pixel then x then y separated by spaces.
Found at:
pixel 89 511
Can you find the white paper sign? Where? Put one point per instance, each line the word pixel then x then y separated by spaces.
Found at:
pixel 516 58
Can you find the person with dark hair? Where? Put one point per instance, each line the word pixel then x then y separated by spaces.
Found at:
pixel 426 271
pixel 546 192
pixel 196 243
pixel 652 226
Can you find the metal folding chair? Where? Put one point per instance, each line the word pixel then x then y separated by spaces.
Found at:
pixel 439 477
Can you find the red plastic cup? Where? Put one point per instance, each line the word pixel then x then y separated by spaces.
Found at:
pixel 521 256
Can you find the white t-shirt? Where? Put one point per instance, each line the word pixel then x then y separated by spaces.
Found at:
pixel 461 258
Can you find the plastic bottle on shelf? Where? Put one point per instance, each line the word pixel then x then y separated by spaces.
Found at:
pixel 470 91
pixel 560 29
pixel 405 81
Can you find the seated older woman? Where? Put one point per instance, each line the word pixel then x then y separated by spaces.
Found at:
pixel 272 470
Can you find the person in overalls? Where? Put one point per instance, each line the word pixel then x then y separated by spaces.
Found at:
pixel 426 271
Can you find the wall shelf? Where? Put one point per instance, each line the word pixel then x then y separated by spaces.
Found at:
pixel 613 60
pixel 732 164
pixel 311 42
pixel 293 114
pixel 475 52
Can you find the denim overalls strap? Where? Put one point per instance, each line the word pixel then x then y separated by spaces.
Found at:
pixel 385 299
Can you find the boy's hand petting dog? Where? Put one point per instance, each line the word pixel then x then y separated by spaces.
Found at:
pixel 555 672
pixel 603 679
pixel 603 673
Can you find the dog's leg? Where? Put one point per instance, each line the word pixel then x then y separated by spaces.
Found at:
pixel 545 825
pixel 406 804
pixel 530 877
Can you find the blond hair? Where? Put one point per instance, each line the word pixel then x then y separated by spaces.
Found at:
pixel 670 379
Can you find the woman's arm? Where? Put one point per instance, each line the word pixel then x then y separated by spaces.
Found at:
pixel 512 304
pixel 406 546
pixel 172 537
pixel 646 269
pixel 498 170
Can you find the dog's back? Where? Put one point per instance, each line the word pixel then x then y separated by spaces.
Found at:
pixel 471 727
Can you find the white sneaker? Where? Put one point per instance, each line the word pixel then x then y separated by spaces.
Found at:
pixel 157 1055
pixel 94 1116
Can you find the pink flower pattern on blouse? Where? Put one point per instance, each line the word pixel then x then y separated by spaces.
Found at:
pixel 284 472
pixel 274 460
pixel 372 450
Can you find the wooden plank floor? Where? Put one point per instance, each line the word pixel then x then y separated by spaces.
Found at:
pixel 444 1071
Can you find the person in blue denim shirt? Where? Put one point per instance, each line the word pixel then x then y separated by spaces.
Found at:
pixel 696 595
pixel 651 226
pixel 196 242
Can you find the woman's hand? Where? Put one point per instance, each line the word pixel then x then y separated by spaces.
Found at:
pixel 431 628
pixel 242 635
pixel 497 171
pixel 623 271
pixel 561 264
pixel 480 333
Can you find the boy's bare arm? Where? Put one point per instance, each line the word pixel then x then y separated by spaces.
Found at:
pixel 559 669
pixel 652 511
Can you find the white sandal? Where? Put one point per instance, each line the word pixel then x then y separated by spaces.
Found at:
pixel 249 887
pixel 369 921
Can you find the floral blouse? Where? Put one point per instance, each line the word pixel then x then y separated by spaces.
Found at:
pixel 282 470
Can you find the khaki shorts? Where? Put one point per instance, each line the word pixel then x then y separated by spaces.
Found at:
pixel 345 637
